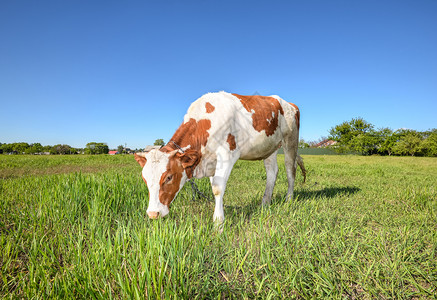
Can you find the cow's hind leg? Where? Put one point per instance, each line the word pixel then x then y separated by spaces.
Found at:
pixel 290 153
pixel 271 166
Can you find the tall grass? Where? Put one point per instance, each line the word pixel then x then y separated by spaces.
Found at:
pixel 361 227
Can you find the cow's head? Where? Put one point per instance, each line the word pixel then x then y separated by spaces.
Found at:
pixel 165 174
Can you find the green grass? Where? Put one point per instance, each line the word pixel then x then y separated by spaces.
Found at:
pixel 26 165
pixel 361 227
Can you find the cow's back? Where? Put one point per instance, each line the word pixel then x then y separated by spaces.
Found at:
pixel 253 125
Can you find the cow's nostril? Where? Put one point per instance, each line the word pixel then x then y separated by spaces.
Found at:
pixel 153 214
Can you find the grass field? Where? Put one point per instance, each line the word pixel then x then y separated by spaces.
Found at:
pixel 361 227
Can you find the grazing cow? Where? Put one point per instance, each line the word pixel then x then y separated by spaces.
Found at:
pixel 218 129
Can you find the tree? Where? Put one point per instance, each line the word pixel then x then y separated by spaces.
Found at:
pixel 47 148
pixel 303 144
pixel 159 142
pixel 61 149
pixel 364 143
pixel 120 149
pixel 96 148
pixel 356 135
pixel 7 148
pixel 34 148
pixel 20 147
pixel 387 140
pixel 102 148
pixel 409 143
pixel 429 144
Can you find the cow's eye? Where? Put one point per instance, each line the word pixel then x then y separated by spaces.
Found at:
pixel 169 178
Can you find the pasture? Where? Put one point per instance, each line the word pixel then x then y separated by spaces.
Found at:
pixel 361 227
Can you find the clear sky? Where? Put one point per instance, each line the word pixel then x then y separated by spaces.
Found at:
pixel 73 72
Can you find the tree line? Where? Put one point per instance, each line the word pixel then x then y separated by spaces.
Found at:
pixel 90 148
pixel 360 136
pixel 355 136
pixel 37 148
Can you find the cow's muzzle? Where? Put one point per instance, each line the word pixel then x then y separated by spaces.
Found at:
pixel 153 214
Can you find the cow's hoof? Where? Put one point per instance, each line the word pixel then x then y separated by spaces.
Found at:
pixel 219 224
pixel 265 204
pixel 219 227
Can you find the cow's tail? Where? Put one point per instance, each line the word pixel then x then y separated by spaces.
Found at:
pixel 299 161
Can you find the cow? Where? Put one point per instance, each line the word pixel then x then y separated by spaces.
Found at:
pixel 219 129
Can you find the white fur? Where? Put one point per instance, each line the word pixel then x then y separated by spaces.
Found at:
pixel 154 168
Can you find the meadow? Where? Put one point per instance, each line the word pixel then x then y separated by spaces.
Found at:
pixel 359 228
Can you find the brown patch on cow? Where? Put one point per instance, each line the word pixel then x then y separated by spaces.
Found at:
pixel 209 107
pixel 194 134
pixel 216 190
pixel 265 112
pixel 297 115
pixel 231 142
pixel 189 159
pixel 140 159
pixel 170 181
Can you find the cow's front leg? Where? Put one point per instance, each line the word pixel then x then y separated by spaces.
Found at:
pixel 225 162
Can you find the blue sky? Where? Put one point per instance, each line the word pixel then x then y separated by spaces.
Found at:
pixel 74 72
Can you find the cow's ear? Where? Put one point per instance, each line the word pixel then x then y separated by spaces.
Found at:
pixel 189 159
pixel 140 159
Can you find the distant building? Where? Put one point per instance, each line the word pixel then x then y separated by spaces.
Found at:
pixel 42 153
pixel 128 151
pixel 113 152
pixel 325 143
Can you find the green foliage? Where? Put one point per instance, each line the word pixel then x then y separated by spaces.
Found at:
pixel 37 148
pixel 96 148
pixel 47 148
pixel 361 228
pixel 364 143
pixel 34 148
pixel 429 145
pixel 120 149
pixel 21 148
pixel 18 148
pixel 159 142
pixel 303 144
pixel 360 136
pixel 409 143
pixel 354 136
pixel 61 149
pixel 6 148
pixel 387 140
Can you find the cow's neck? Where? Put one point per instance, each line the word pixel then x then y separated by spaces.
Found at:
pixel 190 135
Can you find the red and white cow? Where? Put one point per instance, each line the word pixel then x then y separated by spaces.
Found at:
pixel 218 129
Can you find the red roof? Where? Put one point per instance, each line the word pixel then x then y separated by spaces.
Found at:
pixel 325 143
pixel 113 152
